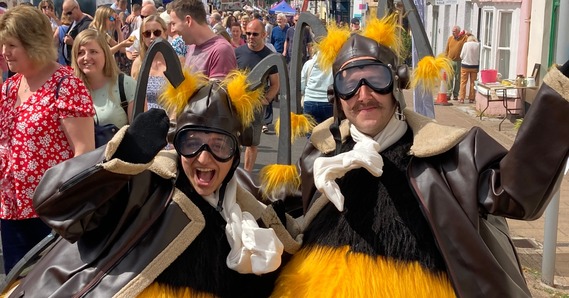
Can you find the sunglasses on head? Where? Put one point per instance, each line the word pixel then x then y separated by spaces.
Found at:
pixel 190 142
pixel 375 75
pixel 156 33
pixel 252 33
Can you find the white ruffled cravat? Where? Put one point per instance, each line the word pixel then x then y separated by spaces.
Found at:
pixel 364 154
pixel 253 249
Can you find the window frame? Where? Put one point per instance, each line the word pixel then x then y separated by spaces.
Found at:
pixel 491 51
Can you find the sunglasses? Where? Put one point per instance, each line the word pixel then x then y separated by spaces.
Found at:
pixel 191 141
pixel 70 12
pixel 112 19
pixel 142 17
pixel 148 33
pixel 46 8
pixel 252 33
pixel 375 75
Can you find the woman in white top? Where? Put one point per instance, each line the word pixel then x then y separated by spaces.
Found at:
pixel 314 85
pixel 93 62
pixel 470 56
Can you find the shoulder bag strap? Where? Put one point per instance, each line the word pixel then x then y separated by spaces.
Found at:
pixel 124 103
pixel 8 86
pixel 57 94
pixel 59 85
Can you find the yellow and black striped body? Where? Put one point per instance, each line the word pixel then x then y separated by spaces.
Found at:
pixel 381 245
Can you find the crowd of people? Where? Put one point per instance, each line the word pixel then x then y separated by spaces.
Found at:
pixel 394 204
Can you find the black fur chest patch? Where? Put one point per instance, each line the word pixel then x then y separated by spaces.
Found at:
pixel 202 266
pixel 381 216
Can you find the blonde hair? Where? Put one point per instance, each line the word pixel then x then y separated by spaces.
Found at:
pixel 110 69
pixel 472 38
pixel 151 18
pixel 102 14
pixel 49 4
pixel 36 37
pixel 66 20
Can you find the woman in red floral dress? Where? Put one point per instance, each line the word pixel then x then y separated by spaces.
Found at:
pixel 45 118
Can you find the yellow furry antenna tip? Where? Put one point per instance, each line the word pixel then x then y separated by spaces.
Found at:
pixel 245 101
pixel 300 125
pixel 429 72
pixel 278 181
pixel 175 99
pixel 384 31
pixel 329 46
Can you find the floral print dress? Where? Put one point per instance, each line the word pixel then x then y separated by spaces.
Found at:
pixel 32 139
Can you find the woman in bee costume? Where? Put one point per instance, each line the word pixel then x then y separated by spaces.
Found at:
pixel 136 221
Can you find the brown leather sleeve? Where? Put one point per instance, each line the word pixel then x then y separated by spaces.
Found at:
pixel 529 173
pixel 72 196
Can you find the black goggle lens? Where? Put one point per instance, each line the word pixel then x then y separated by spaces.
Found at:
pixel 376 76
pixel 191 142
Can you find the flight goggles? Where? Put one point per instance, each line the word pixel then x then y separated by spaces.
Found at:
pixel 375 75
pixel 191 141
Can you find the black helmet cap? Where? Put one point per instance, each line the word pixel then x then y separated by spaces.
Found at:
pixel 360 46
pixel 210 107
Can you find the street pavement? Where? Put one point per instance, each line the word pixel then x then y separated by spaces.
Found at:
pixel 528 235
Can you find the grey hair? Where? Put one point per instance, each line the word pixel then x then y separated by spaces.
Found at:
pixel 216 16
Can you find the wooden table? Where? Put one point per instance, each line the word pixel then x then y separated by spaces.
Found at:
pixel 499 92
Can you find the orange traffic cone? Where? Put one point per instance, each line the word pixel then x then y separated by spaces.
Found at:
pixel 442 96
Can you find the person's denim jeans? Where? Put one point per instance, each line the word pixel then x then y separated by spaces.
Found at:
pixel 268 119
pixel 319 110
pixel 20 236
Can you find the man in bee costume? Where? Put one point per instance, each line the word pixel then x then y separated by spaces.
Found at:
pixel 139 222
pixel 396 205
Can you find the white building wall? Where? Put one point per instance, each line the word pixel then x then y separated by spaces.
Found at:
pixel 439 22
pixel 539 38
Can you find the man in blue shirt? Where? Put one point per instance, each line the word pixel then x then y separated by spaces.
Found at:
pixel 278 36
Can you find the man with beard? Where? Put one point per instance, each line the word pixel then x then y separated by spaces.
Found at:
pixel 278 36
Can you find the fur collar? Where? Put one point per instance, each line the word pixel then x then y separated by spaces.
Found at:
pixel 557 81
pixel 429 137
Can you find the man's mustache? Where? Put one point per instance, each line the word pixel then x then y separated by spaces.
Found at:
pixel 362 106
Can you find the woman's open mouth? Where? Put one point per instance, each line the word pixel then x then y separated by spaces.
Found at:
pixel 204 175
